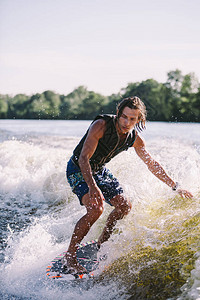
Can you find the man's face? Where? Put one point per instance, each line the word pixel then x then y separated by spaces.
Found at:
pixel 128 119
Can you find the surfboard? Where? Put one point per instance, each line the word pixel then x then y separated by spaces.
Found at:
pixel 86 256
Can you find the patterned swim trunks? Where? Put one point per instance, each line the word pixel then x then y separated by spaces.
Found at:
pixel 105 180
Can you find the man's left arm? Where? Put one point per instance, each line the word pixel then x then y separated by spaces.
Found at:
pixel 156 168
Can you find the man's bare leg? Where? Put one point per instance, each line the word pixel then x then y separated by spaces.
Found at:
pixel 122 208
pixel 81 229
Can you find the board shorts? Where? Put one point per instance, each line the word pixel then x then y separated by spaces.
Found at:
pixel 105 180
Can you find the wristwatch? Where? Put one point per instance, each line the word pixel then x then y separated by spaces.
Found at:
pixel 174 188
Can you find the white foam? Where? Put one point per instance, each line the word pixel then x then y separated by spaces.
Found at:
pixel 37 169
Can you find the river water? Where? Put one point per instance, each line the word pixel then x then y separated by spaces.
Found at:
pixel 154 253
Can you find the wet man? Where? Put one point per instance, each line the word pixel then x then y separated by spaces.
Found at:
pixel 107 136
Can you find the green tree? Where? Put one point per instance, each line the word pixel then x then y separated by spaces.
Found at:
pixel 74 101
pixel 155 96
pixel 113 100
pixel 35 107
pixel 51 105
pixel 183 97
pixel 174 81
pixel 178 99
pixel 4 106
pixel 196 106
pixel 92 105
pixel 18 106
pixel 44 106
pixel 188 98
pixel 190 84
pixel 65 108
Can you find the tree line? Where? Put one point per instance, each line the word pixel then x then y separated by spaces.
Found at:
pixel 178 99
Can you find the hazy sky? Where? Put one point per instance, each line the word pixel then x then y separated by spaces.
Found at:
pixel 101 44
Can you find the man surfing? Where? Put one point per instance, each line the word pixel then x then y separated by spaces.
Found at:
pixel 107 136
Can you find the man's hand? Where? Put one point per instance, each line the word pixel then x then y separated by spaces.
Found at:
pixel 96 195
pixel 184 194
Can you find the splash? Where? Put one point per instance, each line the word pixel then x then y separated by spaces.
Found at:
pixel 154 251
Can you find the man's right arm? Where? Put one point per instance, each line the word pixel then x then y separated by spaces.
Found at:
pixel 95 133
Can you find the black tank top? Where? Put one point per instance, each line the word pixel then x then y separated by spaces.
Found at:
pixel 108 146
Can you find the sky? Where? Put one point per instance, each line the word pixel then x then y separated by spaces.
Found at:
pixel 103 45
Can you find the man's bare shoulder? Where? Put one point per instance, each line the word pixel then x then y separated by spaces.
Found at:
pixel 98 128
pixel 99 122
pixel 139 142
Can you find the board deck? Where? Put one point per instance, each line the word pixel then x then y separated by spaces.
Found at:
pixel 86 256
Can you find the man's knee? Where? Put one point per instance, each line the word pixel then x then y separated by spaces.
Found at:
pixel 126 206
pixel 94 210
pixel 97 209
pixel 123 204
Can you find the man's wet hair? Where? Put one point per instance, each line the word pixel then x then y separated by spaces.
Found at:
pixel 134 103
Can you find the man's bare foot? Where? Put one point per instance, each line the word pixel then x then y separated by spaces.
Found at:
pixel 70 262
